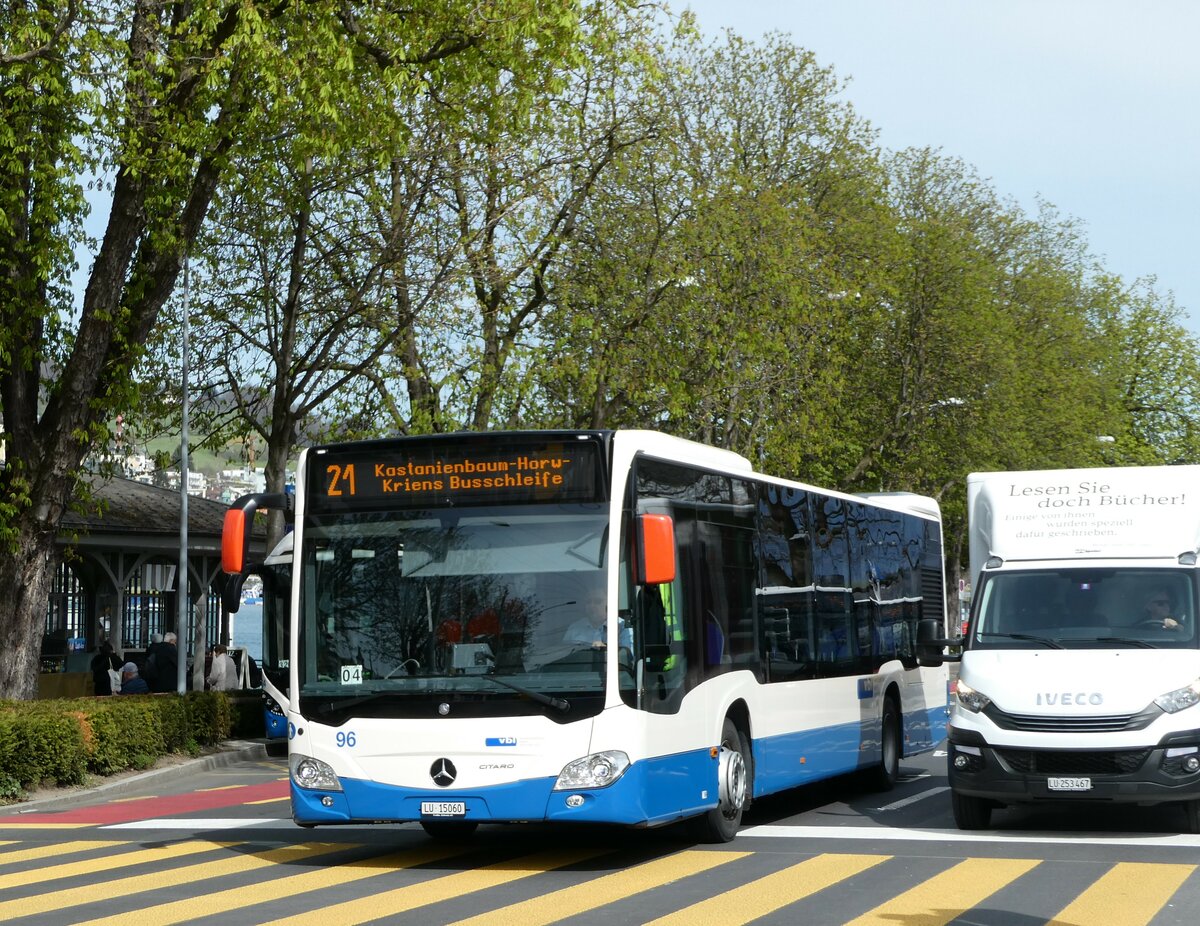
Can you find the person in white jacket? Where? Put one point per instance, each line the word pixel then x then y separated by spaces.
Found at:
pixel 222 675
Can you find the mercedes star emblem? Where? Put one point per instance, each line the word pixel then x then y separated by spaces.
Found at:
pixel 443 773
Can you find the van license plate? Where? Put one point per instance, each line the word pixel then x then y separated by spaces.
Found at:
pixel 443 808
pixel 1069 784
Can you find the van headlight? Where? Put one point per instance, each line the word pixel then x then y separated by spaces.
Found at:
pixel 1175 701
pixel 313 774
pixel 598 770
pixel 968 697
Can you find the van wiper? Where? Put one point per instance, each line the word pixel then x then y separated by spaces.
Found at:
pixel 558 704
pixel 1130 640
pixel 1053 644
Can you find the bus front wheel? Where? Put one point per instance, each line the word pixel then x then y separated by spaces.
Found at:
pixel 721 823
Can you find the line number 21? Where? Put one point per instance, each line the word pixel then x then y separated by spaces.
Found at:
pixel 341 479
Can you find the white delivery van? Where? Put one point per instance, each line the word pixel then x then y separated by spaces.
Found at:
pixel 1080 669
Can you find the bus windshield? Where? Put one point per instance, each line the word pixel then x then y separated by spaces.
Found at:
pixel 473 605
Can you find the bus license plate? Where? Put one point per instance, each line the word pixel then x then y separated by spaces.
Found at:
pixel 1069 784
pixel 443 808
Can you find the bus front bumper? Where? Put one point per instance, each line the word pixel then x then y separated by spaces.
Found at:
pixel 650 793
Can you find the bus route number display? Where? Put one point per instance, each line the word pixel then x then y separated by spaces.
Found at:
pixel 423 475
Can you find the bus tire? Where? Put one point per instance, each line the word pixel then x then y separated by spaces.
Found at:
pixel 722 822
pixel 449 830
pixel 883 777
pixel 970 813
pixel 1192 809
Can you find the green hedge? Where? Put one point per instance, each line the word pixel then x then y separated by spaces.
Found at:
pixel 61 742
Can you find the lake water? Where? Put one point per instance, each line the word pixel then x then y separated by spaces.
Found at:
pixel 245 630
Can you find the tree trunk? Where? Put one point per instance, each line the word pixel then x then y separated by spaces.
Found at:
pixel 28 571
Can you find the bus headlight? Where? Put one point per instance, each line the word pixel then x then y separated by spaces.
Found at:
pixel 968 697
pixel 313 774
pixel 598 770
pixel 1177 700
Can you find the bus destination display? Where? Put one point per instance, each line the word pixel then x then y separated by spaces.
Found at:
pixel 419 474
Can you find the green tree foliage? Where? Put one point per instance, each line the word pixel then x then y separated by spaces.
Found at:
pixel 158 99
pixel 392 287
pixel 517 213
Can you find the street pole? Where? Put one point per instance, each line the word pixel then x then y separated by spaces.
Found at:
pixel 181 583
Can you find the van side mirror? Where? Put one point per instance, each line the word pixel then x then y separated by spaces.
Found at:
pixel 656 549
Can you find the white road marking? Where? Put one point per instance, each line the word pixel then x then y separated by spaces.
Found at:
pixel 877 833
pixel 896 805
pixel 195 823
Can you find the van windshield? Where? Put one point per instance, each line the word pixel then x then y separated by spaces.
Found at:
pixel 1086 608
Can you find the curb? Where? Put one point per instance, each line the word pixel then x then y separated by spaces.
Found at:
pixel 228 753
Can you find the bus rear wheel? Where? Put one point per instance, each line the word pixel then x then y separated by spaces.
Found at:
pixel 722 822
pixel 883 777
pixel 449 830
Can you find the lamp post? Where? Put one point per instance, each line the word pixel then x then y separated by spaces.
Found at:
pixel 181 636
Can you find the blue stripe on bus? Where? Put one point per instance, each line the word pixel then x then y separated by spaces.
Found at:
pixel 651 791
pixel 794 759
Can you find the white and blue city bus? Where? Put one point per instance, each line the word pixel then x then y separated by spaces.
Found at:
pixel 605 626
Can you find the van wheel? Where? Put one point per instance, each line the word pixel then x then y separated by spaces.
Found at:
pixel 970 813
pixel 449 830
pixel 884 776
pixel 1192 809
pixel 721 823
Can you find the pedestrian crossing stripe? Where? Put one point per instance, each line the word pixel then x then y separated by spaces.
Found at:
pixel 766 895
pixel 948 895
pixel 287 886
pixel 413 896
pixel 1124 893
pixel 389 884
pixel 606 889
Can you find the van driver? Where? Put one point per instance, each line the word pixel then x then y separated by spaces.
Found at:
pixel 1158 610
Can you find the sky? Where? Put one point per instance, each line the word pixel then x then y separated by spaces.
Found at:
pixel 1091 105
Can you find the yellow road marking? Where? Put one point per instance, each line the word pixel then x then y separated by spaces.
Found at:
pixel 269 800
pixel 221 788
pixel 37 825
pixel 58 848
pixel 569 901
pixel 238 898
pixel 170 877
pixel 412 896
pixel 945 896
pixel 1129 894
pixel 768 894
pixel 106 862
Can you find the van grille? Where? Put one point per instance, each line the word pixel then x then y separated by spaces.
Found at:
pixel 1081 762
pixel 1038 723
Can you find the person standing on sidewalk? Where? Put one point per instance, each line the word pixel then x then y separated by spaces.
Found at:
pixel 222 676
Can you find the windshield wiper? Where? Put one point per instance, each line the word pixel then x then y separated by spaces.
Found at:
pixel 1130 640
pixel 1053 644
pixel 558 704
